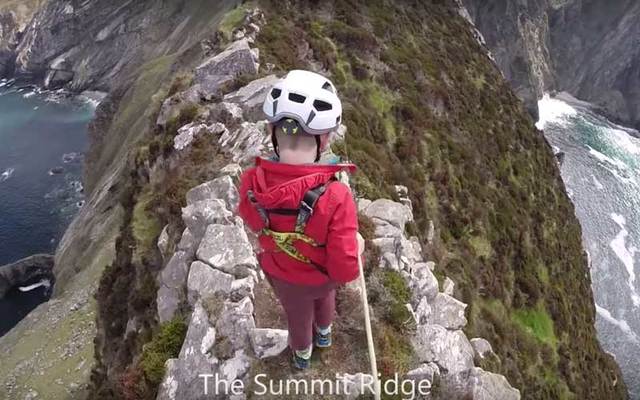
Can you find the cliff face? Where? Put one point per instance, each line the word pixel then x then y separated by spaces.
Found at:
pixel 587 48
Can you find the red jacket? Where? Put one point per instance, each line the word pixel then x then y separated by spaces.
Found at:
pixel 334 222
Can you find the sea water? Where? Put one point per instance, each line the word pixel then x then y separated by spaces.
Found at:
pixel 43 137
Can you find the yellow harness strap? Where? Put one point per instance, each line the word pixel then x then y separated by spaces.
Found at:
pixel 285 240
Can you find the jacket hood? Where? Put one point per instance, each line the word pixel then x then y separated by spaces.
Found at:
pixel 278 185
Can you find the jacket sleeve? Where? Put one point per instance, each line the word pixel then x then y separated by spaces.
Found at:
pixel 342 245
pixel 246 209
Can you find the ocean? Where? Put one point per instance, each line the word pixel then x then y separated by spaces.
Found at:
pixel 42 140
pixel 601 170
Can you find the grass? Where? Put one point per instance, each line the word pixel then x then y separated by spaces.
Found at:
pixel 232 20
pixel 536 322
pixel 165 344
pixel 145 224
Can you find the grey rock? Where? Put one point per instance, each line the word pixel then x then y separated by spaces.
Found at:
pixel 236 321
pixel 188 243
pixel 422 311
pixel 219 188
pixel 389 260
pixel 477 384
pixel 449 349
pixel 163 242
pixel 251 97
pixel 59 74
pixel 408 252
pixel 187 134
pixel 268 342
pixel 172 106
pixel 236 59
pixel 19 272
pixel 201 336
pixel 241 288
pixel 236 367
pixel 428 371
pixel 431 233
pixel 206 281
pixel 396 214
pixel 481 347
pixel 385 244
pixel 174 274
pixel 363 204
pixel 199 215
pixel 447 312
pixel 168 302
pixel 385 229
pixel 448 286
pixel 246 143
pixel 227 248
pixel 233 170
pixel 423 282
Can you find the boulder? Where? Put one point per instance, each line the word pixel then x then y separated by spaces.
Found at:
pixel 251 97
pixel 163 242
pixel 236 321
pixel 396 214
pixel 188 133
pixel 241 288
pixel 229 114
pixel 386 230
pixel 408 252
pixel 172 106
pixel 219 188
pixel 235 367
pixel 246 143
pixel 235 60
pixel 227 248
pixel 423 282
pixel 426 371
pixel 199 215
pixel 233 170
pixel 481 347
pixel 449 349
pixel 206 281
pixel 422 311
pixel 59 74
pixel 174 274
pixel 448 286
pixel 168 302
pixel 188 243
pixel 477 384
pixel 268 342
pixel 25 270
pixel 363 204
pixel 447 312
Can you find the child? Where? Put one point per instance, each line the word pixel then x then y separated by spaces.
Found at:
pixel 307 220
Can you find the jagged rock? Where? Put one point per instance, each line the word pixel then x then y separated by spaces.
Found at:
pixel 188 243
pixel 241 288
pixel 447 312
pixel 227 248
pixel 408 252
pixel 448 286
pixel 219 188
pixel 59 74
pixel 481 347
pixel 251 97
pixel 394 213
pixel 385 244
pixel 172 106
pixel 236 367
pixel 401 191
pixel 363 204
pixel 355 385
pixel 428 371
pixel 389 260
pixel 236 321
pixel 199 215
pixel 385 229
pixel 233 170
pixel 163 242
pixel 449 349
pixel 187 134
pixel 422 311
pixel 19 272
pixel 206 281
pixel 174 274
pixel 246 143
pixel 268 342
pixel 229 114
pixel 168 302
pixel 341 133
pixel 235 60
pixel 477 384
pixel 423 282
pixel 181 380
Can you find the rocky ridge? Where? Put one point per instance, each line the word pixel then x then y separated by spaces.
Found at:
pixel 214 270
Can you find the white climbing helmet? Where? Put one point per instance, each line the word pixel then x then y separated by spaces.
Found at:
pixel 307 97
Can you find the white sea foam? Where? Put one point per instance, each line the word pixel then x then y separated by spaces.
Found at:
pixel 615 166
pixel 29 94
pixel 625 254
pixel 620 323
pixel 45 282
pixel 6 174
pixel 624 140
pixel 596 182
pixel 553 111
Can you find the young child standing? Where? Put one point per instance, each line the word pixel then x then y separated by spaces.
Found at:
pixel 307 220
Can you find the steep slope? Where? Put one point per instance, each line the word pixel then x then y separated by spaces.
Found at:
pixel 585 47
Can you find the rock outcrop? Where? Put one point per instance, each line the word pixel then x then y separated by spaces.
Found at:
pixel 22 271
pixel 546 45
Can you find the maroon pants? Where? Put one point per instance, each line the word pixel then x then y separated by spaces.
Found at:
pixel 305 306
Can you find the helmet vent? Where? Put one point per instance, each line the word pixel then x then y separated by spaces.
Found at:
pixel 327 86
pixel 275 93
pixel 322 105
pixel 296 98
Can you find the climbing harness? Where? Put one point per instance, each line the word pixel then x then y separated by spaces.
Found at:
pixel 285 240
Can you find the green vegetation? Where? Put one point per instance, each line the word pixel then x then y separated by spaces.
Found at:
pixel 165 344
pixel 232 20
pixel 145 224
pixel 434 114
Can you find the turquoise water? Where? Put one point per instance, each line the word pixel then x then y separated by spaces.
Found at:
pixel 38 132
pixel 601 171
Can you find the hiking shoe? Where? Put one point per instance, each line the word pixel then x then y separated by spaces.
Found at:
pixel 322 340
pixel 301 363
